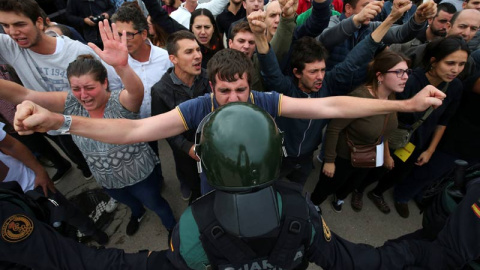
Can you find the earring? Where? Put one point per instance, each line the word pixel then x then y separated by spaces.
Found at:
pixel 379 82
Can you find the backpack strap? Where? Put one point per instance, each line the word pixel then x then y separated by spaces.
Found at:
pixel 217 243
pixel 296 230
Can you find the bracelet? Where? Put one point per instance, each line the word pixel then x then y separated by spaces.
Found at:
pixel 65 128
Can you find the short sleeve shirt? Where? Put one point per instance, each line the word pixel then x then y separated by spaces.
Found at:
pixel 194 110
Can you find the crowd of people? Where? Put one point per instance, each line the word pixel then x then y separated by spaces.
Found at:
pixel 387 90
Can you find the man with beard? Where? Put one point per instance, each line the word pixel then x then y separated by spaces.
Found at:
pixel 437 27
pixel 464 23
pixel 234 12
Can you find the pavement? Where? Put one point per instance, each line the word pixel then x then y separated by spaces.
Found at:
pixel 369 226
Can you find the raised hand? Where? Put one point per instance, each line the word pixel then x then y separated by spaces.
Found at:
pixel 399 8
pixel 368 13
pixel 31 117
pixel 425 11
pixel 257 23
pixel 115 52
pixel 289 7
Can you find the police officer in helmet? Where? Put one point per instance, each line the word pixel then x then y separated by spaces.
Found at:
pixel 252 221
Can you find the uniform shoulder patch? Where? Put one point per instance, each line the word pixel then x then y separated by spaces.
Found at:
pixel 476 209
pixel 326 231
pixel 17 228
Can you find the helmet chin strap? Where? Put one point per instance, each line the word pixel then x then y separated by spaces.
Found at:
pixel 247 214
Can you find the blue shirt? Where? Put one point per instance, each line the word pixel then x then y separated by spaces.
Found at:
pixel 194 110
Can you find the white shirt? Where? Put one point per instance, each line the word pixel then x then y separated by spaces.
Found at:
pixel 17 171
pixel 182 15
pixel 150 72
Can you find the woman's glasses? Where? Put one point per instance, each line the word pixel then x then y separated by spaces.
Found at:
pixel 400 72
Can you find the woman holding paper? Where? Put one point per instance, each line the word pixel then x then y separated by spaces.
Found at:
pixel 443 60
pixel 388 74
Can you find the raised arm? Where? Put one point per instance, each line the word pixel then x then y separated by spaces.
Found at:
pixel 270 69
pixel 352 107
pixel 317 22
pixel 160 16
pixel 341 78
pixel 408 31
pixel 215 6
pixel 31 117
pixel 115 53
pixel 15 93
pixel 338 31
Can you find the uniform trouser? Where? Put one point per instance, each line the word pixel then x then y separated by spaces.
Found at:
pixel 187 172
pixel 37 143
pixel 70 213
pixel 297 169
pixel 145 192
pixel 412 186
pixel 345 178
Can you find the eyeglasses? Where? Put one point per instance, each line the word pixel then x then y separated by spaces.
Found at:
pixel 129 35
pixel 400 72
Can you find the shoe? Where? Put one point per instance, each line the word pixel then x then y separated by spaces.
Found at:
pixel 100 237
pixel 111 205
pixel 402 209
pixel 186 192
pixel 337 205
pixel 87 174
pixel 61 172
pixel 45 162
pixel 357 201
pixel 133 225
pixel 379 202
pixel 170 232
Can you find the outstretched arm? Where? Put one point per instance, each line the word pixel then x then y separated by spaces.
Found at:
pixel 30 118
pixel 15 93
pixel 115 53
pixel 352 107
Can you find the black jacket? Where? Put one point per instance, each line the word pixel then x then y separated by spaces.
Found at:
pixel 166 95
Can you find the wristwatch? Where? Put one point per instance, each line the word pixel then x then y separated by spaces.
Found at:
pixel 65 128
pixel 67 122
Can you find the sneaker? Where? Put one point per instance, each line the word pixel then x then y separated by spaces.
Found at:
pixel 402 209
pixel 357 201
pixel 45 162
pixel 133 225
pixel 111 205
pixel 100 237
pixel 61 172
pixel 87 174
pixel 380 202
pixel 186 192
pixel 337 205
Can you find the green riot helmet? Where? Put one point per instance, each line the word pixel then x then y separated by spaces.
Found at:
pixel 240 148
